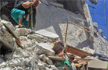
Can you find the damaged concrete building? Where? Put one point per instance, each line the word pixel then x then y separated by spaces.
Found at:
pixel 51 21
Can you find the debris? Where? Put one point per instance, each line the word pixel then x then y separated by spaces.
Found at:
pixel 16 37
pixel 37 49
pixel 23 31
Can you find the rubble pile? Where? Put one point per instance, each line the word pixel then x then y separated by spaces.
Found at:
pixel 34 55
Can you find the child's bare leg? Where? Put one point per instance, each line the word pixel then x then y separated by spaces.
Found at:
pixel 20 21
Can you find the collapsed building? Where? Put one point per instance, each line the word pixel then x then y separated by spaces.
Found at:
pixel 52 16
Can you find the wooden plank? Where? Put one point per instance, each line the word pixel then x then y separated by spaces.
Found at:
pixel 76 51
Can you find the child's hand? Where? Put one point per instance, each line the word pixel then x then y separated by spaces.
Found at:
pixel 61 54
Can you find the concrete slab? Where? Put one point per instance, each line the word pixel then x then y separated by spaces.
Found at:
pixel 46 48
pixel 97 64
pixel 47 34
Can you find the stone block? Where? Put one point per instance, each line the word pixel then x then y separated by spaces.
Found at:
pixel 46 48
pixel 97 64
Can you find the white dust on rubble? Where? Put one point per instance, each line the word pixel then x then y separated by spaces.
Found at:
pixel 34 55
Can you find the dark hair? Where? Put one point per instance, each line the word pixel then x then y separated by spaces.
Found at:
pixel 57 47
pixel 71 56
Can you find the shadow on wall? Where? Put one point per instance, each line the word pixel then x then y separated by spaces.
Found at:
pixel 85 43
pixel 48 16
pixel 75 6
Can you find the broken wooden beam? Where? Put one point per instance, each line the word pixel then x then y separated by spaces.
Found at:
pixel 76 51
pixel 16 37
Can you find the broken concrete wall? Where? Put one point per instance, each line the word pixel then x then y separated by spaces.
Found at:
pixel 37 46
pixel 53 17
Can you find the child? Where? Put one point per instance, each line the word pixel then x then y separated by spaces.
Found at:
pixel 58 47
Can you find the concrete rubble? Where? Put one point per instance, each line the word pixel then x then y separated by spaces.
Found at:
pixel 37 43
pixel 35 52
pixel 37 48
